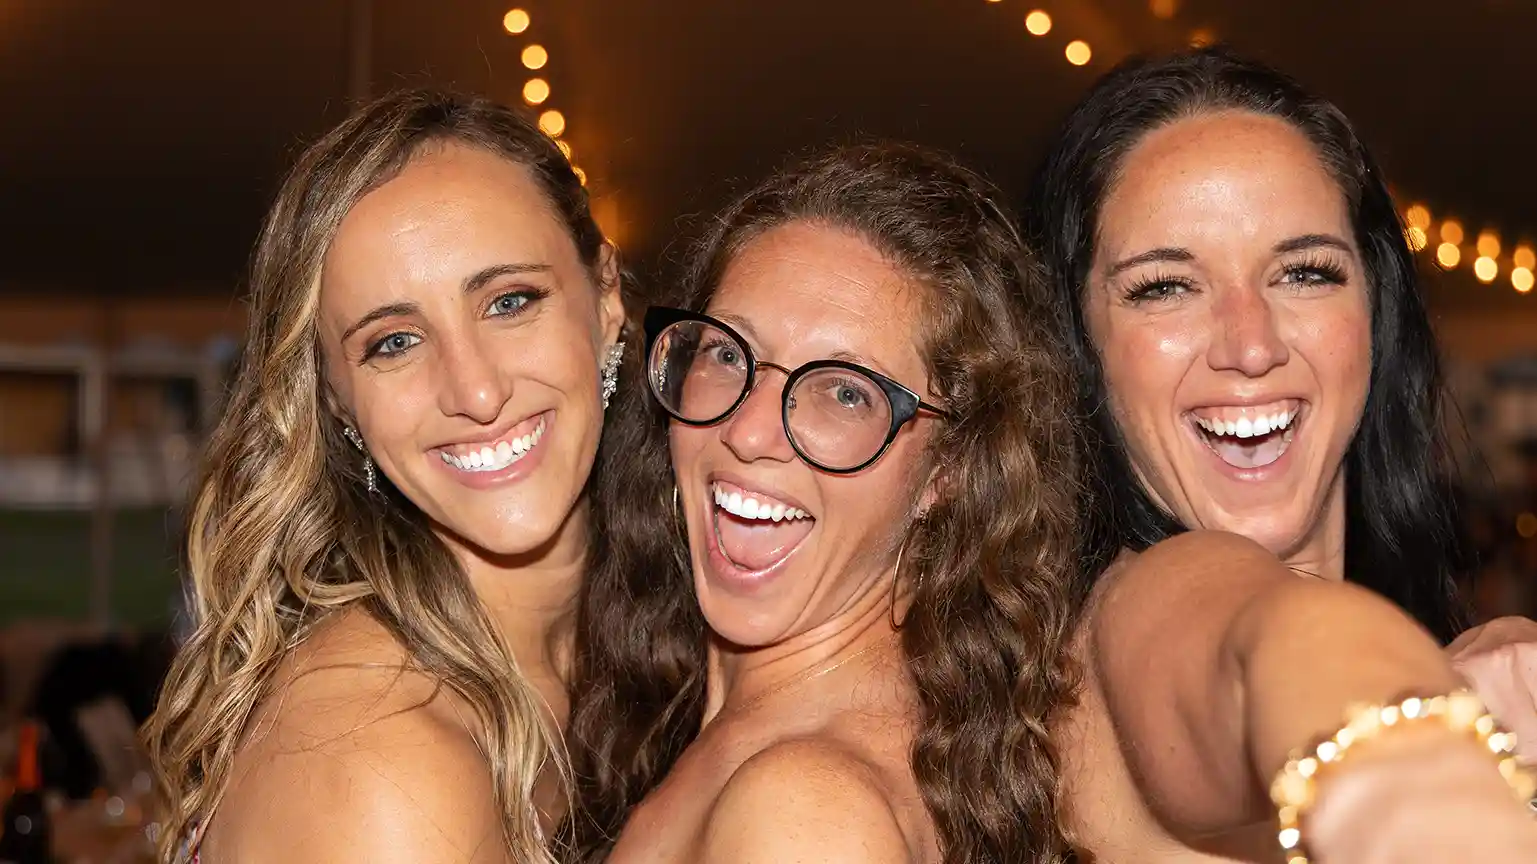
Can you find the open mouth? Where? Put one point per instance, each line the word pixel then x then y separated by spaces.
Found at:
pixel 755 531
pixel 491 456
pixel 1249 437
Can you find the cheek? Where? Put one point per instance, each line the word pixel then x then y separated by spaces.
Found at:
pixel 1143 364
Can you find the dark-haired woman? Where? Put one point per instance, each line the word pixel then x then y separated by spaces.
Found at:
pixel 1255 358
pixel 874 463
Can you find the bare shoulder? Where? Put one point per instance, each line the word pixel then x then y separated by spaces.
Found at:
pixel 354 756
pixel 1184 566
pixel 805 800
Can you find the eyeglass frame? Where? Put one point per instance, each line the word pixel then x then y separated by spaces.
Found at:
pixel 905 403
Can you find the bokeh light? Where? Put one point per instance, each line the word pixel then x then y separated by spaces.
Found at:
pixel 1078 52
pixel 1447 255
pixel 553 123
pixel 515 21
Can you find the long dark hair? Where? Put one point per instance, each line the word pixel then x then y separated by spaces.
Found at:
pixel 1401 527
pixel 990 564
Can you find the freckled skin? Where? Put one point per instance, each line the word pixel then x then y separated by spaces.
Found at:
pixel 1227 188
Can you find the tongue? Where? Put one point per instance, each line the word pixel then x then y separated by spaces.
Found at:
pixel 754 544
pixel 1254 452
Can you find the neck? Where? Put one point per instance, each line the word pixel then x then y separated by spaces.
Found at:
pixel 1322 552
pixel 528 594
pixel 738 675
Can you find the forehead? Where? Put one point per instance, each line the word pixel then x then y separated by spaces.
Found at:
pixel 448 212
pixel 807 291
pixel 1220 176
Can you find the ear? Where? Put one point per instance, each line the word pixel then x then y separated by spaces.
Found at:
pixel 933 486
pixel 610 295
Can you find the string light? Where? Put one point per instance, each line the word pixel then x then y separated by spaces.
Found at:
pixel 536 91
pixel 1078 52
pixel 564 148
pixel 1447 255
pixel 1485 268
pixel 553 123
pixel 1417 238
pixel 534 57
pixel 515 21
pixel 1489 244
pixel 1202 38
pixel 1521 279
pixel 1451 232
pixel 1418 216
pixel 580 174
pixel 1038 23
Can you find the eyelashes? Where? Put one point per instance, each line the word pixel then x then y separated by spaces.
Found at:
pixel 1318 269
pixel 508 304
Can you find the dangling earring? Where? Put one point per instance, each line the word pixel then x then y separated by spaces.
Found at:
pixel 368 462
pixel 611 371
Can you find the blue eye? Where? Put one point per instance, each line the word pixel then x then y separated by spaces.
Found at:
pixel 394 343
pixel 511 303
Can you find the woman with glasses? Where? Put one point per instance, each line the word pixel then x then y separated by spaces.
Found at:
pixel 872 461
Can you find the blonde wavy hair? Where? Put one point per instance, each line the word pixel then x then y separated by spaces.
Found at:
pixel 283 532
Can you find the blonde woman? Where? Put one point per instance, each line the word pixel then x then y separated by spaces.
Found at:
pixel 393 516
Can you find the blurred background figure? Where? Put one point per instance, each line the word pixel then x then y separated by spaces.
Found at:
pixel 145 141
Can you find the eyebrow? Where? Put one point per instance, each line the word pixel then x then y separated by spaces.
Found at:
pixel 1312 241
pixel 472 284
pixel 1152 256
pixel 743 325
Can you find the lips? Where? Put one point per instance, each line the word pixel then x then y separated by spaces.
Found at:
pixel 754 530
pixel 1249 437
pixel 498 454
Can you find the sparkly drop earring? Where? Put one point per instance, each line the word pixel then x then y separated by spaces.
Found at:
pixel 368 462
pixel 611 371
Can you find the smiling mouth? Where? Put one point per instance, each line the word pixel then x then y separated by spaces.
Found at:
pixel 1249 437
pixel 495 455
pixel 755 531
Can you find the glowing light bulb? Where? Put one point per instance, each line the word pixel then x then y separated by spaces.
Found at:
pixel 536 90
pixel 1451 232
pixel 1078 52
pixel 564 148
pixel 534 56
pixel 580 174
pixel 1489 244
pixel 1447 255
pixel 553 123
pixel 1521 279
pixel 515 21
pixel 1202 38
pixel 1418 215
pixel 1417 238
pixel 1525 257
pixel 1038 23
pixel 1485 268
pixel 1164 9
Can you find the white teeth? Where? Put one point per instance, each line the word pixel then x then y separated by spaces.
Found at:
pixel 1245 427
pixel 495 457
pixel 752 508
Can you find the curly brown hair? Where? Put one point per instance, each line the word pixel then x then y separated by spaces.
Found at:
pixel 991 565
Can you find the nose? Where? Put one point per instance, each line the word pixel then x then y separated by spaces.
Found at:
pixel 756 430
pixel 472 384
pixel 1246 337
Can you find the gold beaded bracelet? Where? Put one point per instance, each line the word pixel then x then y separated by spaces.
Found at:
pixel 1295 785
